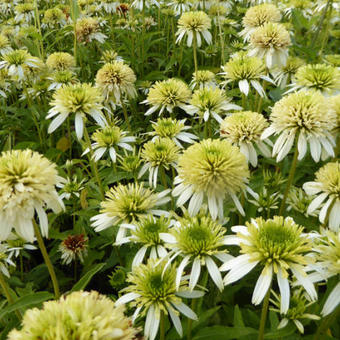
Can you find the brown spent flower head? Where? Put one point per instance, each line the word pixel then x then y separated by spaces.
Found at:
pixel 73 247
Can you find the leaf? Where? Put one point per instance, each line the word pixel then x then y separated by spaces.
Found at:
pixel 238 320
pixel 84 281
pixel 280 333
pixel 75 10
pixel 26 301
pixel 63 144
pixel 225 333
pixel 83 201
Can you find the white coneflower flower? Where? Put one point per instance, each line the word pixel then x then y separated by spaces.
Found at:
pixel 297 311
pixel 70 187
pixel 193 25
pixel 319 77
pixel 328 265
pixel 159 155
pixel 283 75
pixel 54 18
pixel 60 78
pixel 153 292
pixel 326 186
pixel 257 16
pixel 116 80
pixel 109 6
pixel 16 244
pixel 213 169
pixel 166 95
pixel 27 186
pixel 148 3
pixel 279 246
pixel 270 41
pixel 72 248
pixel 5 258
pixel 79 99
pixel 200 241
pixel 109 138
pixel 5 46
pixel 181 6
pixel 110 56
pixel 16 63
pixel 88 29
pixel 60 61
pixel 246 71
pixel 265 200
pixel 203 78
pixel 245 129
pixel 79 315
pixel 173 129
pixel 147 233
pixel 209 101
pixel 127 204
pixel 298 200
pixel 24 12
pixel 307 116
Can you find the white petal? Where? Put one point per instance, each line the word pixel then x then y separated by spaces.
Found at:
pixel 126 298
pixel 305 282
pixel 185 310
pixel 79 125
pixel 262 285
pixel 316 203
pixel 332 301
pixel 195 203
pixel 138 259
pixel 195 273
pixel 180 270
pixel 214 272
pixel 284 291
pixel 176 321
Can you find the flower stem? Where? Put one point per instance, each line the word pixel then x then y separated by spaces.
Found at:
pixel 290 180
pixel 125 112
pixel 163 177
pixel 196 304
pixel 46 259
pixel 162 327
pixel 321 23
pixel 6 292
pixel 264 313
pixel 94 164
pixel 194 47
pixel 221 41
pixel 73 16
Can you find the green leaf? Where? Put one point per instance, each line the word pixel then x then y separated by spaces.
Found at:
pixel 238 320
pixel 280 333
pixel 225 333
pixel 26 301
pixel 84 281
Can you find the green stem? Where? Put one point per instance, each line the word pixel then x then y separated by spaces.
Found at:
pixel 38 27
pixel 125 112
pixel 162 327
pixel 318 30
pixel 6 292
pixel 196 304
pixel 74 31
pixel 264 313
pixel 143 35
pixel 221 41
pixel 194 47
pixel 94 164
pixel 290 179
pixel 163 178
pixel 46 259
